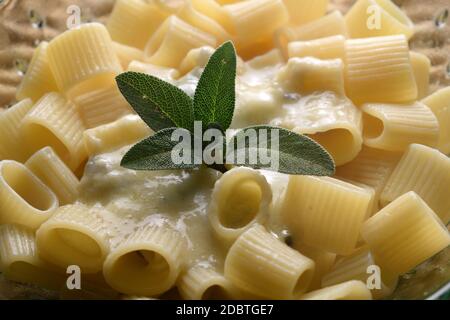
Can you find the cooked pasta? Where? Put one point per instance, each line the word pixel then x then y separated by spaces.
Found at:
pixel 114 135
pixel 304 11
pixel 168 74
pixel 330 25
pixel 10 131
pixel 55 122
pixel 425 171
pixel 374 18
pixel 82 59
pixel 24 199
pixel 351 290
pixel 307 75
pixel 395 127
pixel 74 235
pixel 404 234
pixel 282 272
pixel 323 48
pixel 147 263
pixel 173 40
pixel 39 78
pixel 19 260
pixel 240 199
pixel 204 283
pixel 216 12
pixel 126 54
pixel 378 69
pixel 421 65
pixel 136 18
pixel 326 213
pixel 51 170
pixel 195 58
pixel 102 106
pixel 439 103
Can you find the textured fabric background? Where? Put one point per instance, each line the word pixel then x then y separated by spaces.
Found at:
pixel 24 23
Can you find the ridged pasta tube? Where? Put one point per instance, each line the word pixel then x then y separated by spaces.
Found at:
pixel 304 11
pixel 421 65
pixel 241 198
pixel 263 265
pixel 148 262
pixel 74 235
pixel 404 234
pixel 351 290
pixel 126 54
pixel 24 199
pixel 323 48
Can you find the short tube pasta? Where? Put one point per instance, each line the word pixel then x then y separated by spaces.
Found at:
pixel 404 234
pixel 326 213
pixel 204 283
pixel 351 290
pixel 439 103
pixel 128 129
pixel 74 235
pixel 173 40
pixel 11 133
pixel 323 48
pixel 82 59
pixel 282 272
pixel 395 127
pixel 379 69
pixel 374 18
pixel 126 54
pixel 24 199
pixel 55 121
pixel 136 18
pixel 39 78
pixel 425 171
pixel 164 73
pixel 304 11
pixel 148 262
pixel 19 260
pixel 240 199
pixel 196 58
pixel 421 65
pixel 48 167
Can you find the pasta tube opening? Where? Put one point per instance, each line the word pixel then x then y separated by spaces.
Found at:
pixel 373 127
pixel 337 142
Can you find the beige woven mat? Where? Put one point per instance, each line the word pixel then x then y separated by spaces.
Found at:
pixel 24 23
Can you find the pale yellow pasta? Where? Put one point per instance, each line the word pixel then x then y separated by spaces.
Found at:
pixel 323 261
pixel 10 131
pixel 24 199
pixel 55 122
pixel 241 198
pixel 378 69
pixel 132 22
pixel 48 167
pixel 304 11
pixel 330 25
pixel 394 127
pixel 216 12
pixel 204 283
pixel 19 260
pixel 425 171
pixel 358 267
pixel 351 290
pixel 167 74
pixel 325 212
pixel 371 167
pixel 330 119
pixel 190 14
pixel 82 59
pixel 124 131
pixel 323 48
pixel 374 18
pixel 282 272
pixel 102 106
pixel 74 235
pixel 196 58
pixel 173 40
pixel 421 65
pixel 256 20
pixel 39 78
pixel 126 54
pixel 148 262
pixel 307 75
pixel 404 234
pixel 439 103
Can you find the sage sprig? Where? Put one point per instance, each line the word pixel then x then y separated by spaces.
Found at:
pixel 167 109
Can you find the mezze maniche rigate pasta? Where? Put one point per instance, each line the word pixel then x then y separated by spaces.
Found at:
pixel 358 91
